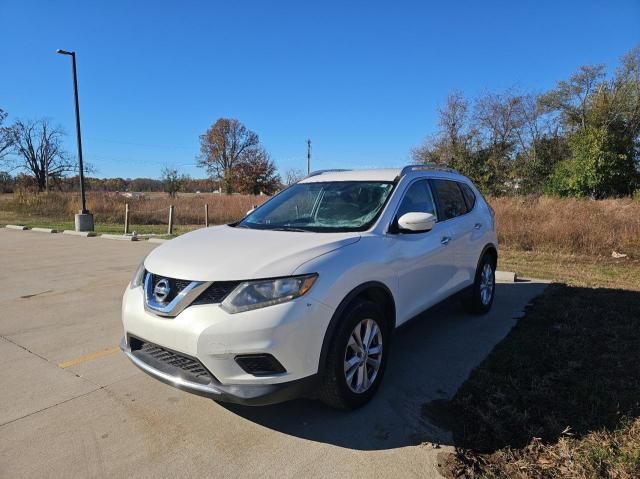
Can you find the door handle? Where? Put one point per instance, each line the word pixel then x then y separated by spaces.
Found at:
pixel 477 226
pixel 445 240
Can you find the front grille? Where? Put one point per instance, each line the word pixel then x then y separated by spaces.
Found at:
pixel 171 362
pixel 216 292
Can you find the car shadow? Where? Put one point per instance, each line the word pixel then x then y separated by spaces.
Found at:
pixel 432 355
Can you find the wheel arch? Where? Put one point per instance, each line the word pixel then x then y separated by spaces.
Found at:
pixel 492 250
pixel 372 290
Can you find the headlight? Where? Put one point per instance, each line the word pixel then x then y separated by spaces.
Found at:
pixel 259 294
pixel 138 276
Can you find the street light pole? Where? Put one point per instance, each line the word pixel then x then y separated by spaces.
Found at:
pixel 84 221
pixel 308 157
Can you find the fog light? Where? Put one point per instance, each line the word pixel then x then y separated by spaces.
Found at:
pixel 260 364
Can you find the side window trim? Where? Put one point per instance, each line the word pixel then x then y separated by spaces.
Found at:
pixel 427 181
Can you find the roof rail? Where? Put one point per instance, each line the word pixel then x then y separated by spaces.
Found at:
pixel 320 172
pixel 426 167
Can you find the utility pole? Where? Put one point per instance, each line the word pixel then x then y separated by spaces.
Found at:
pixel 84 220
pixel 308 157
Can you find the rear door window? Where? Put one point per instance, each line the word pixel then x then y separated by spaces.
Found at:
pixel 450 200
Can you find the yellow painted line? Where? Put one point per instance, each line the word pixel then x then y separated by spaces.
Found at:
pixel 88 357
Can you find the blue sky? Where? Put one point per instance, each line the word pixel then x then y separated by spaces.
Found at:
pixel 362 79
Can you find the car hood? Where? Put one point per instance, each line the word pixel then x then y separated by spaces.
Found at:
pixel 223 253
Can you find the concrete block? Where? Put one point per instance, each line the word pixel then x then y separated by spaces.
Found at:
pixel 119 237
pixel 505 276
pixel 17 227
pixel 44 230
pixel 86 234
pixel 84 222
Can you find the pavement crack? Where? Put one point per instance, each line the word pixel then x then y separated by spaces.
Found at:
pixel 52 406
pixel 69 371
pixel 24 348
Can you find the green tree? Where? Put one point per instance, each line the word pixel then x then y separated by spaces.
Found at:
pixel 534 167
pixel 596 168
pixel 602 120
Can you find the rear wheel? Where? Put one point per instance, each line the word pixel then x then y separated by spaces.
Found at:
pixel 479 299
pixel 357 357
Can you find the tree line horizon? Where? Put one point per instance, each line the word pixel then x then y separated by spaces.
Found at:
pixel 579 139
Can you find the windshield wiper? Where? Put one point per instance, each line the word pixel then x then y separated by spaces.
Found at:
pixel 289 228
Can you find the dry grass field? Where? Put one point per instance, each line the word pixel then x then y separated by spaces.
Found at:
pixel 543 225
pixel 568 225
pixel 148 213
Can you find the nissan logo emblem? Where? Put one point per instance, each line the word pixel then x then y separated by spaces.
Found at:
pixel 161 290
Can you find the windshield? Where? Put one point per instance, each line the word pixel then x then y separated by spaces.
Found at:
pixel 323 207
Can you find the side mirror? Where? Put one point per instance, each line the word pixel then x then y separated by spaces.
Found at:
pixel 416 222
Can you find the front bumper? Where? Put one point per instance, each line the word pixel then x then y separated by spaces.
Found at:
pixel 291 332
pixel 248 394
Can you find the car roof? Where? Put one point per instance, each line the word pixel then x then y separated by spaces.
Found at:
pixel 381 174
pixel 378 174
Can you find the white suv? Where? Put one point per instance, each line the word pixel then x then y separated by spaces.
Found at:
pixel 301 297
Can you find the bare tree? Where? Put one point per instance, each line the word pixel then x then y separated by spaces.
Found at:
pixel 453 119
pixel 222 146
pixel 6 141
pixel 500 116
pixel 293 175
pixel 450 144
pixel 571 97
pixel 37 150
pixel 172 181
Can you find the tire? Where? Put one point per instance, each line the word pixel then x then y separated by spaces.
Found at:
pixel 335 390
pixel 479 298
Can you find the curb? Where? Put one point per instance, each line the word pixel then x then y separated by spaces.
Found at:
pixel 85 234
pixel 119 237
pixel 16 227
pixel 157 240
pixel 506 276
pixel 44 230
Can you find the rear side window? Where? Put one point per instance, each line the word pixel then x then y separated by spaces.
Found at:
pixel 450 200
pixel 417 199
pixel 469 195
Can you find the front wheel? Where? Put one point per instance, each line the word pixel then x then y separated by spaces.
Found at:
pixel 479 299
pixel 357 357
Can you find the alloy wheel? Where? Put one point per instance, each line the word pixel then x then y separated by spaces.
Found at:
pixel 363 356
pixel 487 283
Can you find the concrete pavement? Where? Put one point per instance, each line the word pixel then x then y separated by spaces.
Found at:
pixel 73 406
